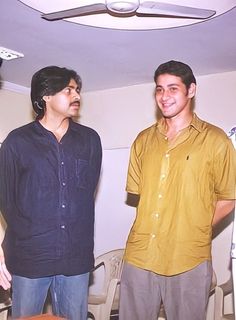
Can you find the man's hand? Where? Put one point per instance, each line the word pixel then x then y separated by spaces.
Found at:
pixel 5 277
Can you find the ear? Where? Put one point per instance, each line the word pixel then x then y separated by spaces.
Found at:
pixel 192 90
pixel 45 98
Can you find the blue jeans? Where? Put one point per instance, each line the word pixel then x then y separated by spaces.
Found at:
pixel 69 296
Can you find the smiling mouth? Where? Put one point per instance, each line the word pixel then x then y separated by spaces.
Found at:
pixel 167 106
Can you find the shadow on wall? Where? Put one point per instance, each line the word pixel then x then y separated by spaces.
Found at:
pixel 0 74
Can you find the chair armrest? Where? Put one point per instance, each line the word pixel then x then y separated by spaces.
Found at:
pixel 227 287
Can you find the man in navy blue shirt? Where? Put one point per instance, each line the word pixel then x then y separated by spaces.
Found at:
pixel 49 171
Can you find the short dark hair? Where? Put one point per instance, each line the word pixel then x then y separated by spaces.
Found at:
pixel 49 81
pixel 178 69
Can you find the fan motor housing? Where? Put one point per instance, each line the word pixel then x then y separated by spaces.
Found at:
pixel 122 6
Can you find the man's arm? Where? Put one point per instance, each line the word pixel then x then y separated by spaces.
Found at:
pixel 223 208
pixel 5 277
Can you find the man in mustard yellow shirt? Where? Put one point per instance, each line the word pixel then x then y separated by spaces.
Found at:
pixel 183 170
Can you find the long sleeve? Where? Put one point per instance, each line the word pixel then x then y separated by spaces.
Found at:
pixel 7 179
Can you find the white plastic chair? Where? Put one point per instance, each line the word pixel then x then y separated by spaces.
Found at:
pixel 4 308
pixel 221 292
pixel 101 304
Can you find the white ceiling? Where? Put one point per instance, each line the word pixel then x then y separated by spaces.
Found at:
pixel 107 58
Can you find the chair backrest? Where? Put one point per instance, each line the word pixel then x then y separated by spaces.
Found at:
pixel 113 263
pixel 106 298
pixel 221 291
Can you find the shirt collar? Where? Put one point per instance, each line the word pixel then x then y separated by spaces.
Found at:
pixel 196 123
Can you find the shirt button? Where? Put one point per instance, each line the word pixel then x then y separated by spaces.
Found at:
pixel 159 196
pixel 63 206
pixel 157 215
pixel 63 183
pixel 62 163
pixel 163 176
pixel 63 226
pixel 153 236
pixel 167 155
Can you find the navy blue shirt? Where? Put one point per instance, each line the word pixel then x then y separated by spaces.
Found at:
pixel 47 199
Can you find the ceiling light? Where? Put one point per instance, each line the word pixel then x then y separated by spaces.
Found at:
pixel 8 54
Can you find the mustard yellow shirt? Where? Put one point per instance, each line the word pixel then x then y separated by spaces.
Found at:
pixel 178 185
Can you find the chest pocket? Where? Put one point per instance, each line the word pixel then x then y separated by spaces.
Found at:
pixel 82 173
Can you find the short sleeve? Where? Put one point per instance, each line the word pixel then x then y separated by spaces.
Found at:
pixel 225 171
pixel 134 170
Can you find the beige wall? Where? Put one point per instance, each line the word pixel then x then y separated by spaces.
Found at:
pixel 216 98
pixel 119 114
pixel 15 110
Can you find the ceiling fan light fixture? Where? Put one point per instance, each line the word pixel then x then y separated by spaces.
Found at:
pixel 131 14
pixel 122 6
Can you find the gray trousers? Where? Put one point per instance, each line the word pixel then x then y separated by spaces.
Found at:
pixel 184 296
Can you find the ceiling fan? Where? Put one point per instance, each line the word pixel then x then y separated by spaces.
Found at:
pixel 132 7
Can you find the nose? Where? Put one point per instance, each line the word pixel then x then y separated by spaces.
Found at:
pixel 77 95
pixel 165 95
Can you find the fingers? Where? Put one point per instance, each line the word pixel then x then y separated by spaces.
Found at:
pixel 5 277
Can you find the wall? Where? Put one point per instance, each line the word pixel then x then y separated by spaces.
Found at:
pixel 118 115
pixel 15 110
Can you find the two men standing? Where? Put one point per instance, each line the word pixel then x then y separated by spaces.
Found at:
pixel 182 169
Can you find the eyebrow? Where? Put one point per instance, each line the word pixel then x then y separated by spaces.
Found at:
pixel 169 85
pixel 73 87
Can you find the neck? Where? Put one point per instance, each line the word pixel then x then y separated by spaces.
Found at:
pixel 57 126
pixel 176 124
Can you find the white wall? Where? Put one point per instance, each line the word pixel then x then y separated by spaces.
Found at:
pixel 118 115
pixel 15 110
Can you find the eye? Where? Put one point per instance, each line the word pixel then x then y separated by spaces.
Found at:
pixel 68 90
pixel 173 89
pixel 159 90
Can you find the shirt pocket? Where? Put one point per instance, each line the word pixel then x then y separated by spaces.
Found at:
pixel 82 173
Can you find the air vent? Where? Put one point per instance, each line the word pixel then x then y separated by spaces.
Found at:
pixel 8 54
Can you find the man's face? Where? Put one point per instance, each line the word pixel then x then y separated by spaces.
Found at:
pixel 172 96
pixel 65 103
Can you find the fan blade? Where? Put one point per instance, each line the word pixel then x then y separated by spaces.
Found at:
pixel 75 12
pixel 172 10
